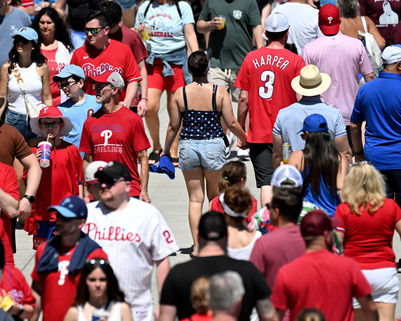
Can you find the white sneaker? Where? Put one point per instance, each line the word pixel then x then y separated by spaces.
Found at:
pixel 243 154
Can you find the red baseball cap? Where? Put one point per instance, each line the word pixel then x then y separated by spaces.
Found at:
pixel 329 19
pixel 111 77
pixel 316 222
pixel 51 112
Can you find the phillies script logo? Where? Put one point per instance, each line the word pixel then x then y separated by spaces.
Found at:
pixel 111 233
pixel 91 71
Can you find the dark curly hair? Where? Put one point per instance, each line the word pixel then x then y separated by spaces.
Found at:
pixel 61 32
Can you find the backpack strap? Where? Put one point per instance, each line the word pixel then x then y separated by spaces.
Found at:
pixel 184 96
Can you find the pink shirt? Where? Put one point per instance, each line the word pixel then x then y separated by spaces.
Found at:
pixel 343 58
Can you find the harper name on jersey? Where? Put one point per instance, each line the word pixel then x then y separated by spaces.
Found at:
pixel 271 60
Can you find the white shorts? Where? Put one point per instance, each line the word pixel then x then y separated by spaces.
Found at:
pixel 385 285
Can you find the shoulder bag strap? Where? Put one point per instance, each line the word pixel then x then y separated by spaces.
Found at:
pixel 214 105
pixel 184 96
pixel 365 28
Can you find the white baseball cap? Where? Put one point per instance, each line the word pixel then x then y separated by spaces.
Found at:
pixel 92 169
pixel 276 22
pixel 391 54
pixel 287 176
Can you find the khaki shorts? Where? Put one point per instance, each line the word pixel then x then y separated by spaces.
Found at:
pixel 225 78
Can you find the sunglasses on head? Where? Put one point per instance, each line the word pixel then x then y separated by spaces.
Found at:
pixel 93 31
pixel 21 39
pixel 360 163
pixel 97 261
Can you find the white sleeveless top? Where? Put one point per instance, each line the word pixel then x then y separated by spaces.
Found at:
pixel 243 253
pixel 115 312
pixel 33 89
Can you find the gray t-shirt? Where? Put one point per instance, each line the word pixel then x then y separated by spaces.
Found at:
pixel 229 46
pixel 9 24
pixel 290 121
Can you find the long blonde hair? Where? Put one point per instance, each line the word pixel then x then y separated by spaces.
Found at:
pixel 364 188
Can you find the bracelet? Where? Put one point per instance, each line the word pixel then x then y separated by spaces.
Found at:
pixel 144 98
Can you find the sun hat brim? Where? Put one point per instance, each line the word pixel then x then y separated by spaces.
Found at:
pixel 34 122
pixel 324 85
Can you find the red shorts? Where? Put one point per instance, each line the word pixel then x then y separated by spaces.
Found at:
pixel 157 81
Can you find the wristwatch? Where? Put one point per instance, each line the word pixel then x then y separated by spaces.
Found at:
pixel 20 310
pixel 30 198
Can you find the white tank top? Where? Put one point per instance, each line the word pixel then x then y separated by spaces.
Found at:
pixel 33 89
pixel 243 253
pixel 115 312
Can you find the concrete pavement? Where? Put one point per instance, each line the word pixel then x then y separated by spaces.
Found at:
pixel 170 197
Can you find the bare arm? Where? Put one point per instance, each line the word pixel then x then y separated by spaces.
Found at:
pixel 46 95
pixel 36 291
pixel 190 38
pixel 125 313
pixel 266 310
pixel 242 108
pixel 340 236
pixel 343 147
pixel 267 9
pixel 277 150
pixel 356 137
pixel 27 310
pixel 34 174
pixel 228 116
pixel 144 175
pixel 381 42
pixel 72 314
pixel 369 77
pixel 207 26
pixel 369 308
pixel 257 36
pixel 143 103
pixel 130 93
pixel 398 227
pixel 87 160
pixel 162 269
pixel 167 313
pixel 174 124
pixel 296 159
pixel 8 203
pixel 342 172
pixel 60 7
pixel 3 87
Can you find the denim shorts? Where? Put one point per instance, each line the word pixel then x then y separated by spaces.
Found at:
pixel 127 4
pixel 21 123
pixel 208 154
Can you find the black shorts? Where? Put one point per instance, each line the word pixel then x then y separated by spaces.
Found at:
pixel 262 159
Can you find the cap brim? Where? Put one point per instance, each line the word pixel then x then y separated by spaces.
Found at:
pixel 62 211
pixel 324 85
pixel 34 123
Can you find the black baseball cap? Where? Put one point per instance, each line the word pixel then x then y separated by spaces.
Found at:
pixel 212 226
pixel 114 171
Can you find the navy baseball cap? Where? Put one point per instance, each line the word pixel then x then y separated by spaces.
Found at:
pixel 71 207
pixel 27 33
pixel 314 123
pixel 68 71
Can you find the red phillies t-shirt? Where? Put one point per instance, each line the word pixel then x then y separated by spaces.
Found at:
pixel 117 56
pixel 54 68
pixel 266 74
pixel 14 284
pixel 59 287
pixel 9 184
pixel 320 280
pixel 368 238
pixel 116 136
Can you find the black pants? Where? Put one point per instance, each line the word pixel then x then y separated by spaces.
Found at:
pixel 393 184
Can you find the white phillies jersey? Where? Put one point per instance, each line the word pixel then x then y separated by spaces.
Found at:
pixel 133 238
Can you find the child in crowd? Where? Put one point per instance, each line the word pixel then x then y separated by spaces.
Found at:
pixel 61 179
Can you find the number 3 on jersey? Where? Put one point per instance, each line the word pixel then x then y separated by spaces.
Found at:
pixel 266 91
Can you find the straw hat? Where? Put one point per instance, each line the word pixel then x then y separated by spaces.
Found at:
pixel 311 81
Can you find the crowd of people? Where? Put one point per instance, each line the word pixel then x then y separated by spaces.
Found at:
pixel 310 89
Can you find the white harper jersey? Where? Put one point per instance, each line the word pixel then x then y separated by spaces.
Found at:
pixel 134 238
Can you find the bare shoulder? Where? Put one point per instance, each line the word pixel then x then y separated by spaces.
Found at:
pixel 42 69
pixel 72 314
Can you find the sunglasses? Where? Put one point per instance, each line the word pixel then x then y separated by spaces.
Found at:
pixel 62 218
pixel 66 84
pixel 93 31
pixel 109 181
pixel 99 86
pixel 21 39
